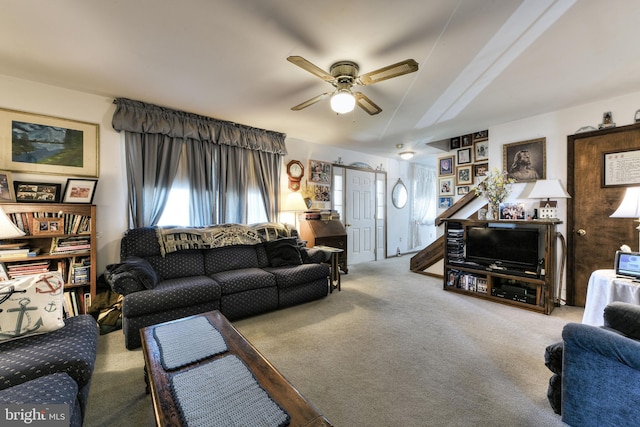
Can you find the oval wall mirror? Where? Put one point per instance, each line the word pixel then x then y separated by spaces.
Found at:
pixel 399 195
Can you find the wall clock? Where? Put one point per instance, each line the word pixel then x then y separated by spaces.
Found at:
pixel 295 170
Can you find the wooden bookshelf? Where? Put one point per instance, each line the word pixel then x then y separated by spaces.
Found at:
pixel 61 222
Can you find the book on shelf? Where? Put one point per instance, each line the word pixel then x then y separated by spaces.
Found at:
pixel 4 273
pixel 27 268
pixel 73 223
pixel 70 244
pixel 14 254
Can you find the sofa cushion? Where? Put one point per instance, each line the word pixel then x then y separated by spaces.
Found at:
pixel 71 349
pixel 283 252
pixel 31 305
pixel 230 258
pixel 132 275
pixel 234 281
pixel 299 275
pixel 553 357
pixel 171 294
pixel 141 242
pixel 623 317
pixel 178 264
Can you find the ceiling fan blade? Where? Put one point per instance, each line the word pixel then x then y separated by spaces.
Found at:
pixel 366 104
pixel 399 69
pixel 309 102
pixel 313 69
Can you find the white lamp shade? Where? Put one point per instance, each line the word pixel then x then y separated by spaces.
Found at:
pixel 406 155
pixel 294 203
pixel 548 189
pixel 343 101
pixel 630 206
pixel 8 229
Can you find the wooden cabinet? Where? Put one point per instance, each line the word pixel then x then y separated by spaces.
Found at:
pixel 319 232
pixel 532 290
pixel 63 237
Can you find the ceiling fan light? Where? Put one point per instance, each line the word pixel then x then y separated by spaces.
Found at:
pixel 407 155
pixel 343 101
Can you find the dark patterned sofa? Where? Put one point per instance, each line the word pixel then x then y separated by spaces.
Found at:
pixel 170 273
pixel 51 368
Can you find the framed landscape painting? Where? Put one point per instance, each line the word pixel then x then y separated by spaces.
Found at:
pixel 34 143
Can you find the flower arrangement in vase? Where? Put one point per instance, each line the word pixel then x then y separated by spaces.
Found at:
pixel 495 188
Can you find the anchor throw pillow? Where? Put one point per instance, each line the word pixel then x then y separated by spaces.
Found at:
pixel 31 305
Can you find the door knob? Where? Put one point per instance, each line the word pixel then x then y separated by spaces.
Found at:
pixel 347 225
pixel 581 232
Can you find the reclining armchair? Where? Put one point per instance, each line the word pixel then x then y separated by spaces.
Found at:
pixel 599 370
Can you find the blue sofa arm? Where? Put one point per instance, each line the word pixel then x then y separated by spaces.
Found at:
pixel 600 377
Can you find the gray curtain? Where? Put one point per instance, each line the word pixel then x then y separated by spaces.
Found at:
pixel 222 157
pixel 152 163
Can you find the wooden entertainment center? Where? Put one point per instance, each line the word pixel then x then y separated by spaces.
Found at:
pixel 532 290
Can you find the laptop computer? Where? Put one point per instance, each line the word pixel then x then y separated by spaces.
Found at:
pixel 627 264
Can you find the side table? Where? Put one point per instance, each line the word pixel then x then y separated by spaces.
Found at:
pixel 605 287
pixel 334 254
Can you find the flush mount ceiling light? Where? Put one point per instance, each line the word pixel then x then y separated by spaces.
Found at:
pixel 406 155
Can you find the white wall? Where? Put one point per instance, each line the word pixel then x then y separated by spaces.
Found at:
pixel 110 195
pixel 397 219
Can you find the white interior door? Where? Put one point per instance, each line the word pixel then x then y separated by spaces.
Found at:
pixel 360 219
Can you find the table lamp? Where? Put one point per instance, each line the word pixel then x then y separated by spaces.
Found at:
pixel 294 203
pixel 630 206
pixel 8 230
pixel 548 189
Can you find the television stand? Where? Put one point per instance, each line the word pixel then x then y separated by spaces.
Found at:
pixel 525 289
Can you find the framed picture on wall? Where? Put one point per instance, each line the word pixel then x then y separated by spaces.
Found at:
pixel 481 151
pixel 446 165
pixel 445 202
pixel 481 169
pixel 483 135
pixel 79 190
pixel 37 192
pixel 33 143
pixel 464 156
pixel 6 187
pixel 454 143
pixel 464 175
pixel 320 172
pixel 525 160
pixel 446 186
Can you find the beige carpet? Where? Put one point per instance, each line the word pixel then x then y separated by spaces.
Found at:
pixel 392 348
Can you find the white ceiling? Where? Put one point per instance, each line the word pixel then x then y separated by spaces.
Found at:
pixel 482 62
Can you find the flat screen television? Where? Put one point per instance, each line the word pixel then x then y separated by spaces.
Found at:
pixel 515 248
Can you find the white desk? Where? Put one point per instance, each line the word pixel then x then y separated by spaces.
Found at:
pixel 605 288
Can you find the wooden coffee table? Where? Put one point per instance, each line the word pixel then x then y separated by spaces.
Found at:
pixel 302 413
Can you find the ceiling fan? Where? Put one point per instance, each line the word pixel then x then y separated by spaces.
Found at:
pixel 343 75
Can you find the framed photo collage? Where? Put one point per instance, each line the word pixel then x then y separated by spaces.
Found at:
pixel 466 164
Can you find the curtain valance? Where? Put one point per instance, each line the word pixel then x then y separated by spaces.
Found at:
pixel 140 117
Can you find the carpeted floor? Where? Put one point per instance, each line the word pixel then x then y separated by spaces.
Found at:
pixel 392 348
